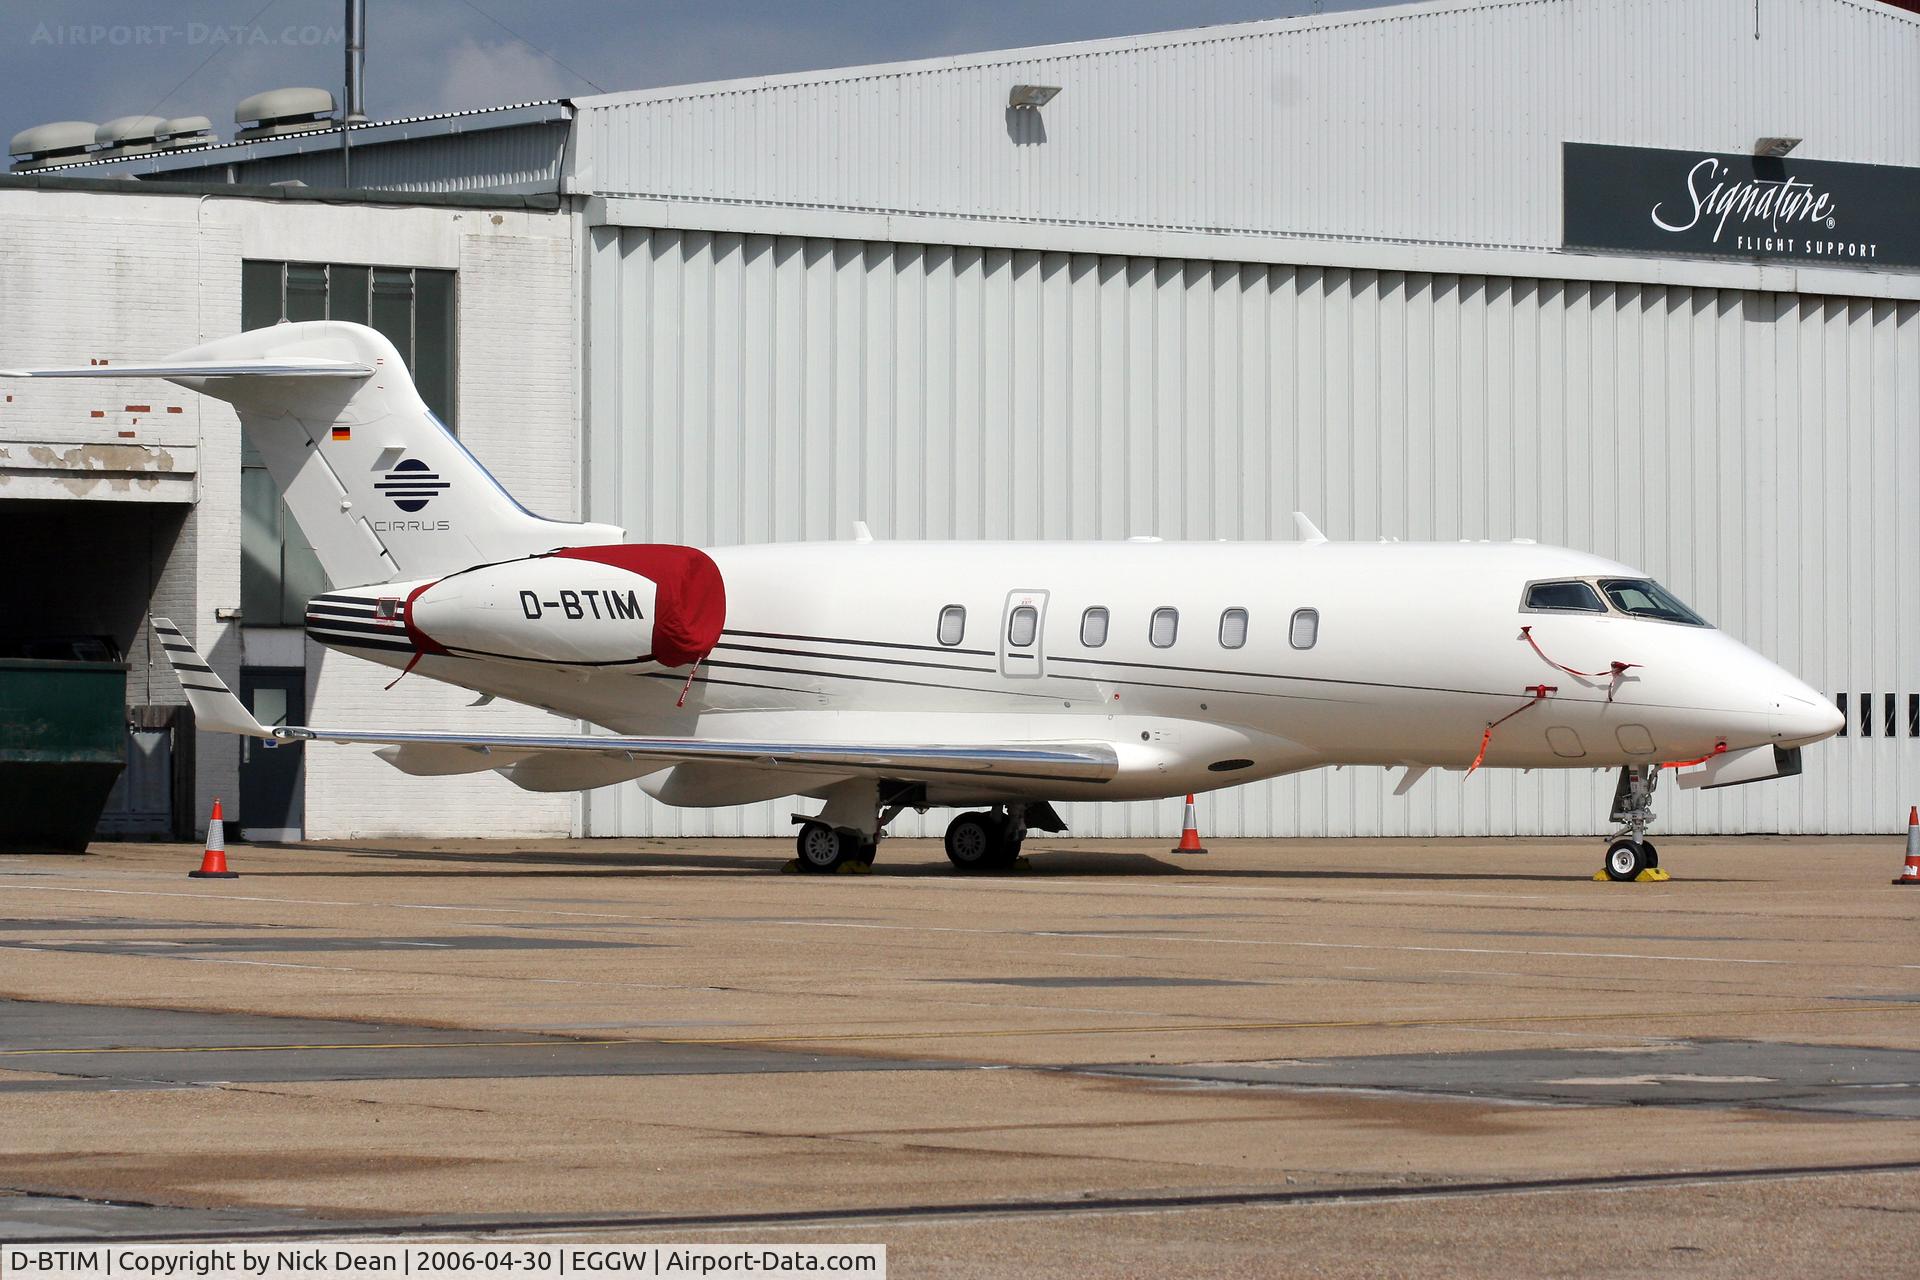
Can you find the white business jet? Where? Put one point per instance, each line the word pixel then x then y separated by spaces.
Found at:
pixel 998 678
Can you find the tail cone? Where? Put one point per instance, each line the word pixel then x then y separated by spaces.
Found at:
pixel 1190 832
pixel 1910 874
pixel 213 863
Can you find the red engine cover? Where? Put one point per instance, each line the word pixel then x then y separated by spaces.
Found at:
pixel 690 604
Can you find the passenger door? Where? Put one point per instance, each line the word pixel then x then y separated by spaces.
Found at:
pixel 1023 629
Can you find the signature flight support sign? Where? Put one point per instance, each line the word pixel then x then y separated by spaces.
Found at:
pixel 1711 203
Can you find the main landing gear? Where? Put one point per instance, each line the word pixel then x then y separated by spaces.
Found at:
pixel 823 848
pixel 1632 856
pixel 845 835
pixel 987 841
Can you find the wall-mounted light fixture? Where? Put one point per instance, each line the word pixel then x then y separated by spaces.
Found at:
pixel 1032 95
pixel 1774 148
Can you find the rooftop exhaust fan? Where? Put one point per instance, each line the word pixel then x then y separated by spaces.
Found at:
pixel 279 112
pixel 46 145
pixel 129 136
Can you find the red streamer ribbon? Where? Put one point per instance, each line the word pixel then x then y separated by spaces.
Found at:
pixel 1614 670
pixel 1539 692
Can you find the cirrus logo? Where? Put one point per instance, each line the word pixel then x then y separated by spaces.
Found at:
pixel 412 484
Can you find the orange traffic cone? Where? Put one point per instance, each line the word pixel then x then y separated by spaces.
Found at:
pixel 1910 874
pixel 213 864
pixel 1190 832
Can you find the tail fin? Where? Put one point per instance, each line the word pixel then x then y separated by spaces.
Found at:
pixel 380 487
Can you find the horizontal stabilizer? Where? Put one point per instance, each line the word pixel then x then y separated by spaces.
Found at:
pixel 283 367
pixel 214 706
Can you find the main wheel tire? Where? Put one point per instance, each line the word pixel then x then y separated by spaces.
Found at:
pixel 973 841
pixel 821 848
pixel 1626 859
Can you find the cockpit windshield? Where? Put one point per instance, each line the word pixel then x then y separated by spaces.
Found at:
pixel 1574 595
pixel 1645 598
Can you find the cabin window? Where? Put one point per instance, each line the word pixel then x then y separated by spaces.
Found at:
pixel 1575 596
pixel 1305 631
pixel 1233 628
pixel 1021 624
pixel 1166 625
pixel 953 624
pixel 1093 627
pixel 1645 598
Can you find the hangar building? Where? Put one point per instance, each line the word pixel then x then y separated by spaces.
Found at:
pixel 1641 278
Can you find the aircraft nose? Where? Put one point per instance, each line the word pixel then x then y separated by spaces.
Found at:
pixel 1801 716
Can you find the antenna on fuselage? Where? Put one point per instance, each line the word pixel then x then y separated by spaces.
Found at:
pixel 1309 532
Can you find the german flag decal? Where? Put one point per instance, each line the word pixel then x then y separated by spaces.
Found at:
pixel 343 433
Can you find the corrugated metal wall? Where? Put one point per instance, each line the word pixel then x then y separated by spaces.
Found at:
pixel 1756 451
pixel 1436 122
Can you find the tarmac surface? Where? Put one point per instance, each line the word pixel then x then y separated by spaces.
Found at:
pixel 1285 1057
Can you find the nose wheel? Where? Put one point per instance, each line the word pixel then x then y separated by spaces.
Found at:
pixel 1632 856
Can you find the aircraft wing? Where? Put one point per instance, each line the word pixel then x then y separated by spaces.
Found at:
pixel 215 707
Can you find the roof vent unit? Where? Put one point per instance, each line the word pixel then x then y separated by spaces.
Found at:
pixel 45 145
pixel 279 112
pixel 187 131
pixel 128 136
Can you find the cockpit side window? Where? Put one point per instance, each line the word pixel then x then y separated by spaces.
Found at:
pixel 1576 596
pixel 1645 598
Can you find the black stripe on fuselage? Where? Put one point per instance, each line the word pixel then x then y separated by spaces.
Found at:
pixel 1169 668
pixel 875 644
pixel 359 642
pixel 363 628
pixel 854 657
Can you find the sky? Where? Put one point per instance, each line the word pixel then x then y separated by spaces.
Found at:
pixel 100 59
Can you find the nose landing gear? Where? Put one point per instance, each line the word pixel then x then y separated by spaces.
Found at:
pixel 1632 856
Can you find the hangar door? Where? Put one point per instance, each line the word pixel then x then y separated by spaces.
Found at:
pixel 1744 447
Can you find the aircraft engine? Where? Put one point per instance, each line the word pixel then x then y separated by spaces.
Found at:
pixel 581 606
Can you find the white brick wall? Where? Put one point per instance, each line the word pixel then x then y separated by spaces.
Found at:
pixel 131 274
pixel 518 411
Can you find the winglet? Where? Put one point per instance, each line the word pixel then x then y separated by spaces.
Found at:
pixel 214 706
pixel 1309 532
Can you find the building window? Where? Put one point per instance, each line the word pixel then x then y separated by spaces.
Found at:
pixel 279 572
pixel 1233 629
pixel 414 309
pixel 1305 631
pixel 1022 623
pixel 1093 627
pixel 1166 626
pixel 953 624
